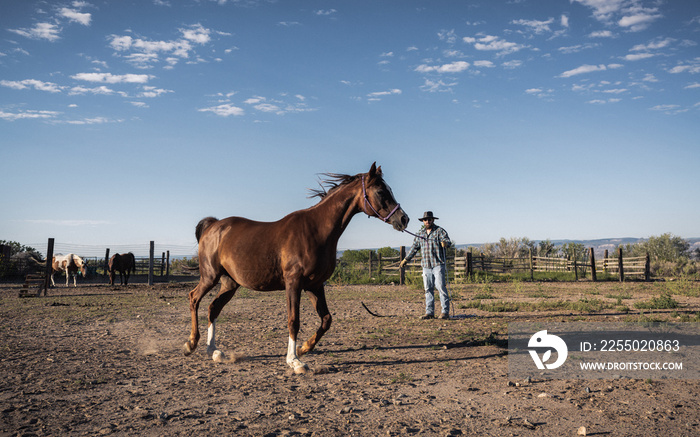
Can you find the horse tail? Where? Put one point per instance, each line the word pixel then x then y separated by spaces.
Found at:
pixel 203 225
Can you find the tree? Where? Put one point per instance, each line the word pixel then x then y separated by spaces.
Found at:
pixel 508 248
pixel 388 252
pixel 573 250
pixel 546 248
pixel 356 256
pixel 16 247
pixel 666 247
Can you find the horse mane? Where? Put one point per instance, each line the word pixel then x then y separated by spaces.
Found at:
pixel 330 183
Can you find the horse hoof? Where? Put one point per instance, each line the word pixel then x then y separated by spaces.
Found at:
pixel 301 369
pixel 188 348
pixel 218 356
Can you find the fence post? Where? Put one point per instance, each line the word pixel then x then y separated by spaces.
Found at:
pixel 369 270
pixel 594 277
pixel 167 266
pixel 106 266
pixel 150 263
pixel 647 268
pixel 605 262
pixel 49 266
pixel 468 265
pixel 620 264
pixel 162 264
pixel 532 267
pixel 402 270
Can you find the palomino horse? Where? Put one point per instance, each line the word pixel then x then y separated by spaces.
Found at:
pixel 295 253
pixel 70 264
pixel 124 264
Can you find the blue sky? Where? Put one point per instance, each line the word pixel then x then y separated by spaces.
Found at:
pixel 125 122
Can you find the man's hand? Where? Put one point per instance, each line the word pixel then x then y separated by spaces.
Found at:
pixel 402 263
pixel 444 244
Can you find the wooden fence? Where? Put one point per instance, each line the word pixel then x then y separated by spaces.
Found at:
pixel 15 269
pixel 461 268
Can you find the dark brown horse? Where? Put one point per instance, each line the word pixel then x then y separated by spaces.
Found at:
pixel 295 253
pixel 124 264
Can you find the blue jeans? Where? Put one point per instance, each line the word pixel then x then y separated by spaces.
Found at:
pixel 432 279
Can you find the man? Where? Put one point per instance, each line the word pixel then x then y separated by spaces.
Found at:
pixel 433 241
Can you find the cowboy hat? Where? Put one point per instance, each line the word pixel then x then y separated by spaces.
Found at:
pixel 428 215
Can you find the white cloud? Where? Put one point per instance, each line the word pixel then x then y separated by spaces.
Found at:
pixel 75 16
pixel 112 78
pixel 434 86
pixel 536 26
pixel 631 14
pixel 493 43
pixel 692 66
pixel 30 114
pixel 669 109
pixel 46 31
pixel 577 48
pixel 94 120
pixel 564 21
pixel 378 94
pixel 224 110
pixel 601 34
pixel 100 90
pixel 151 92
pixel 639 56
pixel 588 69
pixel 31 83
pixel 603 10
pixel 145 52
pixel 510 65
pixel 539 92
pixel 267 107
pixel 639 20
pixel 197 34
pixel 454 67
pixel 659 43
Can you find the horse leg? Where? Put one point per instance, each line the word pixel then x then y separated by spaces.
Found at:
pixel 318 298
pixel 293 297
pixel 53 284
pixel 226 293
pixel 206 283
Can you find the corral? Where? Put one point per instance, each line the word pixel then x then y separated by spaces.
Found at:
pixel 98 360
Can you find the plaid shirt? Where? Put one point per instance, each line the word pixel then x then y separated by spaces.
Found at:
pixel 432 253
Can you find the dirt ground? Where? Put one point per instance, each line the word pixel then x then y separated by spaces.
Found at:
pixel 95 360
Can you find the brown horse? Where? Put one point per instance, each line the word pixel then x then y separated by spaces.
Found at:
pixel 124 264
pixel 295 253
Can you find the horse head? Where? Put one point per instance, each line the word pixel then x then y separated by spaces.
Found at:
pixel 379 200
pixel 81 264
